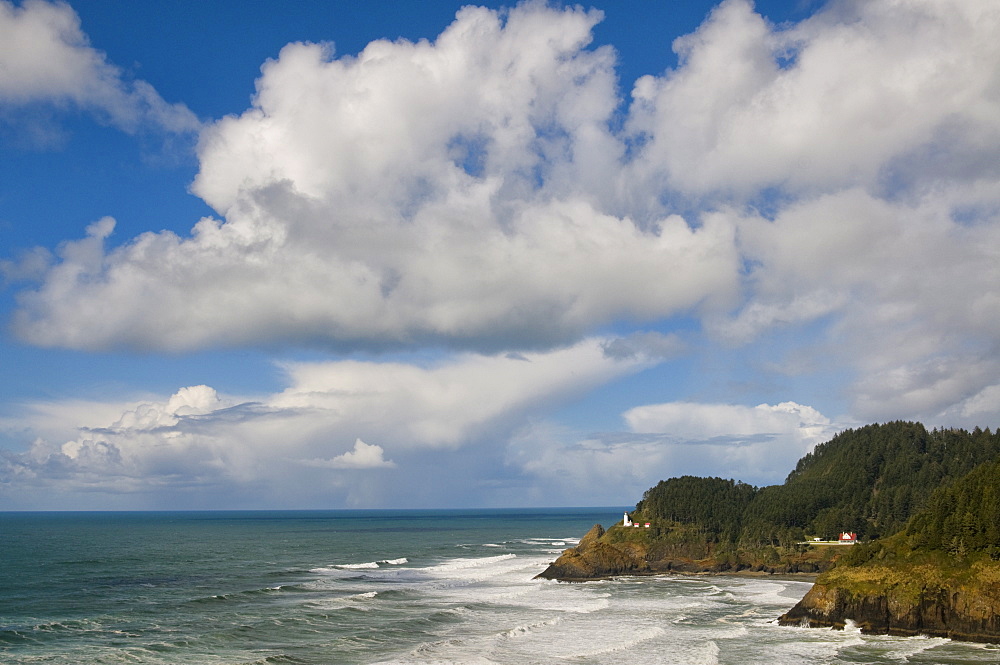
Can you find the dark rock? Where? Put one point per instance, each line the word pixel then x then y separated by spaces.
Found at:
pixel 593 560
pixel 935 612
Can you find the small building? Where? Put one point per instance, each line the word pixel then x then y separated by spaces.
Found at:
pixel 846 537
pixel 648 525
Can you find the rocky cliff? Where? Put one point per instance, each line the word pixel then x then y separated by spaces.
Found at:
pixel 923 594
pixel 960 603
pixel 621 551
pixel 594 559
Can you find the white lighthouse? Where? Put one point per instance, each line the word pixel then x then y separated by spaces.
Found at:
pixel 626 521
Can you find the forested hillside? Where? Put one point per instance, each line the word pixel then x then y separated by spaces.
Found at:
pixel 713 505
pixel 939 576
pixel 926 503
pixel 869 480
pixel 962 518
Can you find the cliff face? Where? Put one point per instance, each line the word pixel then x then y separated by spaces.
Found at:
pixel 918 601
pixel 622 551
pixel 929 595
pixel 594 559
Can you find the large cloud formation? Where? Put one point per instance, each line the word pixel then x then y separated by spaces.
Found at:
pixel 493 190
pixel 451 192
pixel 342 432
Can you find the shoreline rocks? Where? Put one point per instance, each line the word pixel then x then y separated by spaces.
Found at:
pixel 599 556
pixel 906 609
pixel 886 600
pixel 595 560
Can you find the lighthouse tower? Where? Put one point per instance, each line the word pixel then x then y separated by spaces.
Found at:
pixel 626 521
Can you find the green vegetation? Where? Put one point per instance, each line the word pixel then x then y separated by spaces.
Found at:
pixel 940 575
pixel 869 480
pixel 926 506
pixel 962 518
pixel 715 506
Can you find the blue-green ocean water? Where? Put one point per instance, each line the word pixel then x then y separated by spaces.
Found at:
pixel 383 587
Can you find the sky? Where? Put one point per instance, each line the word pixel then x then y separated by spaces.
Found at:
pixel 422 254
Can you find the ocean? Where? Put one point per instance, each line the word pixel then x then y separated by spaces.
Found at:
pixel 420 586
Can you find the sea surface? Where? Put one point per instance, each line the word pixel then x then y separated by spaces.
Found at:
pixel 383 587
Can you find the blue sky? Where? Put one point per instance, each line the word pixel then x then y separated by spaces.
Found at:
pixel 420 255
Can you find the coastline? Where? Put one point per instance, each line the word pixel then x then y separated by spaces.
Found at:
pixel 753 574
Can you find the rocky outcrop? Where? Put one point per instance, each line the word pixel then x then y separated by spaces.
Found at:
pixel 923 603
pixel 593 559
pixel 625 551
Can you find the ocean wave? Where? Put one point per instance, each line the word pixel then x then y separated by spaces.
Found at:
pixel 476 562
pixel 582 649
pixel 782 593
pixel 238 595
pixel 368 565
pixel 351 602
pixel 522 631
pixel 905 647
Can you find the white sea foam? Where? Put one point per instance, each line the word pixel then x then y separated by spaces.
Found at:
pixel 583 640
pixel 331 570
pixel 452 565
pixel 562 598
pixel 469 608
pixel 463 572
pixel 784 593
pixel 903 648
pixel 352 601
pixel 522 631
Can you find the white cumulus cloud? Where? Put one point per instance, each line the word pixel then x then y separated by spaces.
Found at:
pixel 45 57
pixel 835 180
pixel 305 444
pixel 450 192
pixel 362 456
pixel 754 444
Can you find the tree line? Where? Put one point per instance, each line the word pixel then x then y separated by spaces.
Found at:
pixel 870 480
